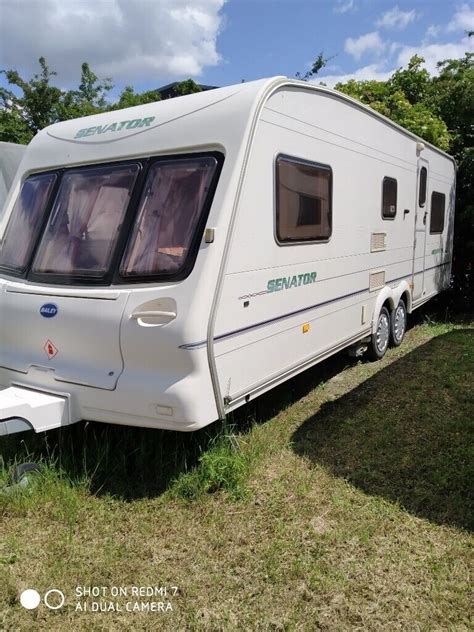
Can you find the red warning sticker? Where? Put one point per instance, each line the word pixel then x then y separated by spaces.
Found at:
pixel 50 349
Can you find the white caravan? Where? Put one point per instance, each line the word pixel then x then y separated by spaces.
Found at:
pixel 10 157
pixel 164 264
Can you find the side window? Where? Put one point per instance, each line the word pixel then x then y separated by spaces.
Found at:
pixel 438 202
pixel 422 191
pixel 389 198
pixel 303 201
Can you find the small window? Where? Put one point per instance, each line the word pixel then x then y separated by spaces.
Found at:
pixel 422 192
pixel 438 201
pixel 389 198
pixel 303 201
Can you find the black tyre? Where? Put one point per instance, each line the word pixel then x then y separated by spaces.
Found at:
pixel 23 474
pixel 398 324
pixel 380 339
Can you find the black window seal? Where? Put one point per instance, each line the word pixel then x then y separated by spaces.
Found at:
pixel 309 163
pixel 389 217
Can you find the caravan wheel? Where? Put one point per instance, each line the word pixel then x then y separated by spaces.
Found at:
pixel 398 323
pixel 380 339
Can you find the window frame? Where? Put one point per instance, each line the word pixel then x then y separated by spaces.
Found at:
pixel 86 278
pixel 391 217
pixel 438 232
pixel 106 278
pixel 196 240
pixel 112 275
pixel 308 163
pixel 57 175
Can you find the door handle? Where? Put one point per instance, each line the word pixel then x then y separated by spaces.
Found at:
pixel 153 314
pixel 153 318
pixel 424 218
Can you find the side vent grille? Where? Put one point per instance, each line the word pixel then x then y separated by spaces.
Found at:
pixel 376 280
pixel 378 242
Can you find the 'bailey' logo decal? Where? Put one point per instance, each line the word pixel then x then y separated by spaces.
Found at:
pixel 48 310
pixel 115 127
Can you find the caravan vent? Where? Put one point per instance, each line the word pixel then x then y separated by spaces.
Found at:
pixel 376 280
pixel 378 241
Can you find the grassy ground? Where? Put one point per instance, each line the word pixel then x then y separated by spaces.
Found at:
pixel 339 501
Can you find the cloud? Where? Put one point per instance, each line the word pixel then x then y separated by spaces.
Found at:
pixel 139 41
pixel 463 19
pixel 433 53
pixel 432 31
pixel 368 43
pixel 397 19
pixel 366 73
pixel 343 6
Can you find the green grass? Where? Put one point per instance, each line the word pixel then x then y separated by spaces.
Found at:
pixel 339 501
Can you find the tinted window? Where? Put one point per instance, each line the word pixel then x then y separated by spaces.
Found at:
pixel 303 201
pixel 25 222
pixel 438 201
pixel 86 218
pixel 169 212
pixel 422 192
pixel 389 198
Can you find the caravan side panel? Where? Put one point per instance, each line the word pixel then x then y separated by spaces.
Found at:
pixel 262 335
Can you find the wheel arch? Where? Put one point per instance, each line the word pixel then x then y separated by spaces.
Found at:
pixel 389 297
pixel 384 298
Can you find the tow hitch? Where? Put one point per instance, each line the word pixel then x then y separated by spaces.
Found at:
pixel 26 409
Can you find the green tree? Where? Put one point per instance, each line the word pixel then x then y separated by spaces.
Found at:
pixel 403 99
pixel 319 63
pixel 440 109
pixel 453 96
pixel 188 86
pixel 37 107
pixel 28 106
pixel 129 98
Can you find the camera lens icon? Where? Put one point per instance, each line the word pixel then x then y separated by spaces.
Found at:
pixel 53 599
pixel 30 599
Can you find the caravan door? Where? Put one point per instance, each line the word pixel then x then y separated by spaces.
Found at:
pixel 421 217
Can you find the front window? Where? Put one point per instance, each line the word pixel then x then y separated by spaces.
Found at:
pixel 169 213
pixel 25 222
pixel 85 221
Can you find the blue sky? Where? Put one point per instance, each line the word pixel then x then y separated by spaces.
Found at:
pixel 148 43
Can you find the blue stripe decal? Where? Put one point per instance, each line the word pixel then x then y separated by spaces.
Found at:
pixel 197 345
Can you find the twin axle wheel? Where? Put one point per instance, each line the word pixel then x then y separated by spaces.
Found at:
pixel 390 329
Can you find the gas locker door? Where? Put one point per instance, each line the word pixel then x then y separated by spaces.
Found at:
pixel 73 333
pixel 421 215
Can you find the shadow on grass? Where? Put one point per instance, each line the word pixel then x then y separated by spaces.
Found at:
pixel 405 434
pixel 132 463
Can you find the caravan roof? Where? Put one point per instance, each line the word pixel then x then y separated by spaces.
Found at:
pixel 221 118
